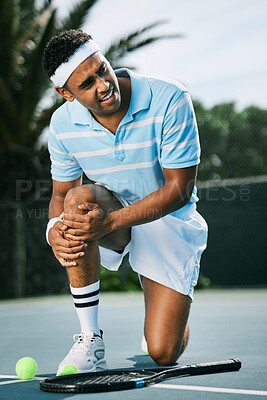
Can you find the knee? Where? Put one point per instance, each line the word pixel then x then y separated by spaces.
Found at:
pixel 165 350
pixel 79 195
pixel 163 354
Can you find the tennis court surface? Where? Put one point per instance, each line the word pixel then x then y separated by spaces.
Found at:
pixel 224 324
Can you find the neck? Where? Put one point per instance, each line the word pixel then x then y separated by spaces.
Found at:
pixel 112 121
pixel 125 88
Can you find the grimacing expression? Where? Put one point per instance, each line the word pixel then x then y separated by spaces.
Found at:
pixel 94 85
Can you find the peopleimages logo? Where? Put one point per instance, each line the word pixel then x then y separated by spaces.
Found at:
pixel 28 193
pixel 32 213
pixel 39 188
pixel 225 190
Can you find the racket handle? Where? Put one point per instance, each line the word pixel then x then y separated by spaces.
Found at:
pixel 218 366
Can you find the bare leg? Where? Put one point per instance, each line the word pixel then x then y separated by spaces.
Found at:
pixel 166 328
pixel 87 270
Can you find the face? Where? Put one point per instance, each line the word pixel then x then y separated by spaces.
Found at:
pixel 94 85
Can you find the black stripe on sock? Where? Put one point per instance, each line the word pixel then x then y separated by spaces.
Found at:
pixel 90 304
pixel 84 296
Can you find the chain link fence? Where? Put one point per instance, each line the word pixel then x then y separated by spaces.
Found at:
pixel 232 187
pixel 235 211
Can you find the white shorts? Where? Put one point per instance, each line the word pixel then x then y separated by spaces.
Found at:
pixel 167 250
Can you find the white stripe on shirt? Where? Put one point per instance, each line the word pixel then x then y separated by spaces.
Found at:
pixel 176 128
pixel 141 145
pixel 71 135
pixel 148 121
pixel 93 153
pixel 148 164
pixel 179 145
pixel 178 105
pixel 56 150
pixel 130 146
pixel 55 162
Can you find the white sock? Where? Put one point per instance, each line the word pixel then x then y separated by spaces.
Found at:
pixel 86 301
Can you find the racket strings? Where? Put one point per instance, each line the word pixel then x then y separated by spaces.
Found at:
pixel 120 379
pixel 106 379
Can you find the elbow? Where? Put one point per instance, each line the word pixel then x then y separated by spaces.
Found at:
pixel 182 198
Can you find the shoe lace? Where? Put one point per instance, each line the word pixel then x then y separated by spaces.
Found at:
pixel 82 340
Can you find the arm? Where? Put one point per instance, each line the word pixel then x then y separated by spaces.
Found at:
pixel 179 159
pixel 64 250
pixel 60 190
pixel 175 194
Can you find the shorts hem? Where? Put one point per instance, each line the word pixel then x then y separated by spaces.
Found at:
pixel 177 288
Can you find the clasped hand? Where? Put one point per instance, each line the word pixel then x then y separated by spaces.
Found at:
pixel 68 238
pixel 86 227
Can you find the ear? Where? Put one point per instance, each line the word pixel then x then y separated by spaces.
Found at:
pixel 64 93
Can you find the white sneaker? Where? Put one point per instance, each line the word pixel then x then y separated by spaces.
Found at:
pixel 144 345
pixel 86 355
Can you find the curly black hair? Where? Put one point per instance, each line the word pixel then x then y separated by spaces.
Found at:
pixel 59 49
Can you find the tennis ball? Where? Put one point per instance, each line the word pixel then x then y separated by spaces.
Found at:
pixel 69 370
pixel 26 368
pixel 144 346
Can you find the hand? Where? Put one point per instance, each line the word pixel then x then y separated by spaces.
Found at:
pixel 87 227
pixel 66 251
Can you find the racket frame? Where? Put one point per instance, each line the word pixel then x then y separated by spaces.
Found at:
pixel 150 377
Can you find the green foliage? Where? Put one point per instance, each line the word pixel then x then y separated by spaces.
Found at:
pixel 123 280
pixel 233 143
pixel 27 99
pixel 27 102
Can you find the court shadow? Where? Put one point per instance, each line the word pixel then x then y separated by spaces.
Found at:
pixel 142 361
pixel 145 362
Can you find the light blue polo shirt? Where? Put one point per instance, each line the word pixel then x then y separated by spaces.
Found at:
pixel 158 131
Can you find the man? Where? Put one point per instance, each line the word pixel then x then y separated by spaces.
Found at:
pixel 136 138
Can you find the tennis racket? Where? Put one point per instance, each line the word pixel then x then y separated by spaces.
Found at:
pixel 110 380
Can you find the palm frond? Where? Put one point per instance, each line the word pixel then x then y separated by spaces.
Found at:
pixel 43 119
pixel 118 49
pixel 36 77
pixel 146 28
pixel 44 5
pixel 26 26
pixel 26 11
pixel 77 15
pixel 30 36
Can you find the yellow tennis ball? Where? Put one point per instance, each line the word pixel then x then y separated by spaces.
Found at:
pixel 69 370
pixel 26 368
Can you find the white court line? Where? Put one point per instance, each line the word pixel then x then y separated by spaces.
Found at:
pixel 161 386
pixel 212 389
pixel 15 379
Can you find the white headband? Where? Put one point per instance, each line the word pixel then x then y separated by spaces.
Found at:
pixel 64 71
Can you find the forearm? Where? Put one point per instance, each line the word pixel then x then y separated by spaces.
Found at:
pixel 156 205
pixel 56 206
pixel 95 223
pixel 174 195
pixel 60 189
pixel 55 210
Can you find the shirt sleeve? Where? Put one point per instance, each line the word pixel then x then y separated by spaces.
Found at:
pixel 64 167
pixel 180 146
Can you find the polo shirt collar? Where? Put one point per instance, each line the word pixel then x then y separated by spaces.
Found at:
pixel 141 92
pixel 139 85
pixel 80 115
